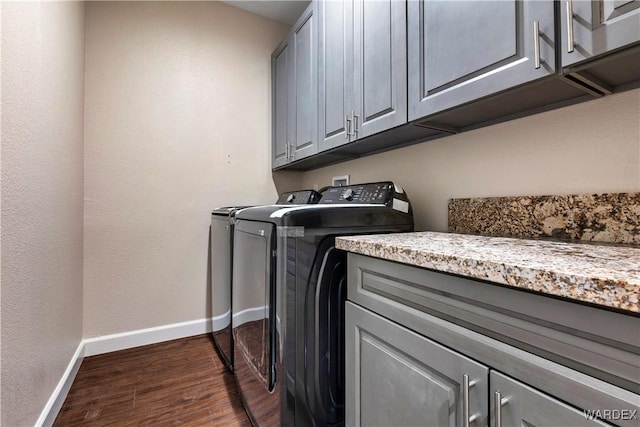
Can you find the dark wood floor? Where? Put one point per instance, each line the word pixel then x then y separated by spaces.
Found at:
pixel 180 382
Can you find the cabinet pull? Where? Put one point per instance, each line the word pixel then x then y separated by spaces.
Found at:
pixel 286 151
pixel 349 133
pixel 570 40
pixel 355 122
pixel 346 126
pixel 498 403
pixel 536 43
pixel 466 385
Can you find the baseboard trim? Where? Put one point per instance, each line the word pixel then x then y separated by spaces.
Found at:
pixel 249 315
pixel 53 406
pixel 222 321
pixel 115 342
pixel 122 341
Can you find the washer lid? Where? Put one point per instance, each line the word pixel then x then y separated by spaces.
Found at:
pixel 227 210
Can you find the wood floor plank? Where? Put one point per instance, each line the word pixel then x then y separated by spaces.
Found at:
pixel 179 382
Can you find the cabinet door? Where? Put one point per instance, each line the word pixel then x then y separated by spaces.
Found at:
pixel 461 51
pixel 303 86
pixel 335 72
pixel 521 405
pixel 597 27
pixel 279 104
pixel 380 65
pixel 395 377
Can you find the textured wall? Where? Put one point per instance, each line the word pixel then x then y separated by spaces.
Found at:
pixel 591 147
pixel 42 131
pixel 177 123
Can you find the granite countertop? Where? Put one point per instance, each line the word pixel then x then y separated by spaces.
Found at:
pixel 599 274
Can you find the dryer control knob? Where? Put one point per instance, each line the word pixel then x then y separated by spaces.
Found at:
pixel 291 198
pixel 348 194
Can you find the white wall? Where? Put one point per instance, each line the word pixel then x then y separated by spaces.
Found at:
pixel 177 123
pixel 42 132
pixel 592 147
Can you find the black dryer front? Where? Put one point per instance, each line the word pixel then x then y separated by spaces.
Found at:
pixel 289 327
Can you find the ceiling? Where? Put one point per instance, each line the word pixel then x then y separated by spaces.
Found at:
pixel 286 11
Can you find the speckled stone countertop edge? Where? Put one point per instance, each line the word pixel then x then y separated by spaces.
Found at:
pixel 579 272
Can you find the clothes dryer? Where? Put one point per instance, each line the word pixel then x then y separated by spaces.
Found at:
pixel 221 253
pixel 289 292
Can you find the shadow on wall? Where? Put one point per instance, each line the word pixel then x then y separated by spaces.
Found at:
pixel 287 181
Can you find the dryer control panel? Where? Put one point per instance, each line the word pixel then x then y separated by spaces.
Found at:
pixel 302 197
pixel 372 193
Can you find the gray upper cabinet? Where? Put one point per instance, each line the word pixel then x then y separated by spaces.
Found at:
pixel 592 28
pixel 363 74
pixel 380 66
pixel 303 68
pixel 279 102
pixel 294 92
pixel 461 51
pixel 335 72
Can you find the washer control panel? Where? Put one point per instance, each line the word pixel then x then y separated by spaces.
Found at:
pixel 376 193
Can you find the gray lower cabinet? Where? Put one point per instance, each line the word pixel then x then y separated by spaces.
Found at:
pixel 425 348
pixel 515 404
pixel 461 51
pixel 363 73
pixel 399 378
pixel 396 377
pixel 593 28
pixel 295 92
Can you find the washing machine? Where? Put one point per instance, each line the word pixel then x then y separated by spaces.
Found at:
pixel 221 253
pixel 289 291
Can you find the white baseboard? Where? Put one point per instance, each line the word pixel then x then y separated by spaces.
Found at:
pixel 115 342
pixel 249 315
pixel 222 321
pixel 53 406
pixel 122 341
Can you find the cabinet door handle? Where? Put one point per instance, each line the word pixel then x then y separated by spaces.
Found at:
pixel 570 40
pixel 536 43
pixel 466 385
pixel 498 403
pixel 346 126
pixel 349 133
pixel 286 151
pixel 355 122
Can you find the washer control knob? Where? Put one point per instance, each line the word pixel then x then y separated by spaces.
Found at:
pixel 348 194
pixel 291 198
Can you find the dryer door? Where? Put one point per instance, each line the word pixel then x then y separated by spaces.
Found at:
pixel 253 311
pixel 221 236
